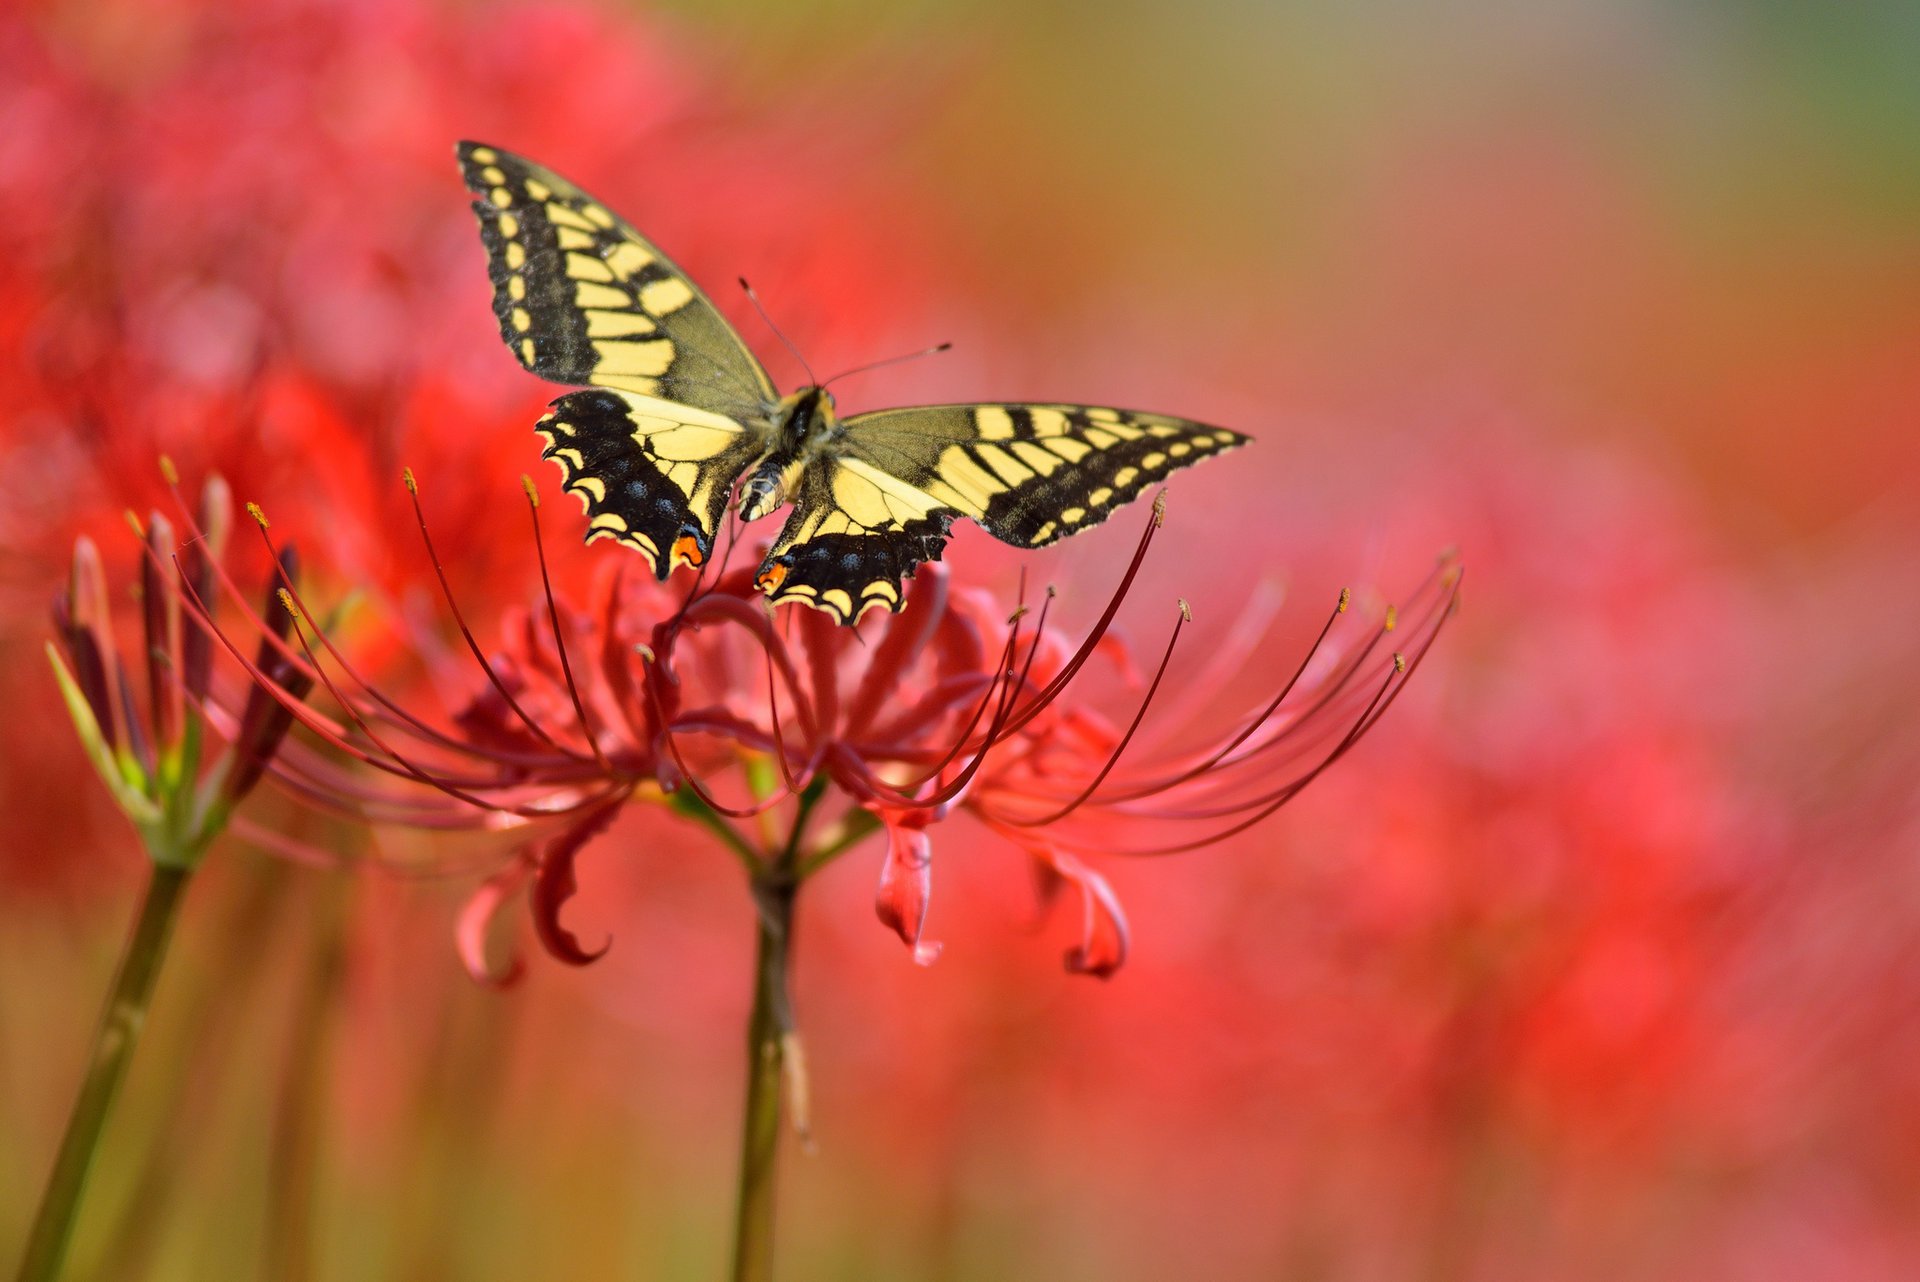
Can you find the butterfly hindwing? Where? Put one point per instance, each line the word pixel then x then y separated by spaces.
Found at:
pixel 583 298
pixel 1031 474
pixel 652 474
pixel 856 531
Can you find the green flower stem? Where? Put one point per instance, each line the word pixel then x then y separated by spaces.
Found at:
pixel 687 802
pixel 766 1052
pixel 113 1047
pixel 770 1033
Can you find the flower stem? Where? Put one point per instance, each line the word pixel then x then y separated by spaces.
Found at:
pixel 113 1045
pixel 767 1031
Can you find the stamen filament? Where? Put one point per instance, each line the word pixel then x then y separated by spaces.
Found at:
pixel 473 646
pixel 1113 758
pixel 560 643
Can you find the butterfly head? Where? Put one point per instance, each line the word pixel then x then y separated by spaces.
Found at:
pixel 805 417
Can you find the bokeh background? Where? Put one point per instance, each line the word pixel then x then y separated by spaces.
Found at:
pixel 1600 959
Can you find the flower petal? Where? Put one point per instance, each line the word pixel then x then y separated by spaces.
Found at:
pixel 554 885
pixel 906 879
pixel 1104 938
pixel 476 922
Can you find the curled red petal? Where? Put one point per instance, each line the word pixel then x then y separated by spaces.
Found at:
pixel 1104 938
pixel 476 922
pixel 554 885
pixel 906 879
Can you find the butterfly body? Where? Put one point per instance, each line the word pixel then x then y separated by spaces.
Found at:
pixel 803 430
pixel 680 421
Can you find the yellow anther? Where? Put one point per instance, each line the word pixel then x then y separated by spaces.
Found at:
pixel 1393 618
pixel 286 599
pixel 533 495
pixel 168 472
pixel 253 510
pixel 1186 614
pixel 1159 509
pixel 133 523
pixel 413 486
pixel 1399 662
pixel 1346 599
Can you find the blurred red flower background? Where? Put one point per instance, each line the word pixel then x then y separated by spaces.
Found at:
pixel 1601 957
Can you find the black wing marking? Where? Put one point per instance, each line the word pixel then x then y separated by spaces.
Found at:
pixel 1031 474
pixel 651 474
pixel 582 297
pixel 854 534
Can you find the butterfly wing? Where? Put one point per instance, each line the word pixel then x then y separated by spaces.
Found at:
pixel 1029 474
pixel 583 298
pixel 654 475
pixel 856 530
pixel 1032 474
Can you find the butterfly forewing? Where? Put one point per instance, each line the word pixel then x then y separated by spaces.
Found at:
pixel 1032 474
pixel 583 298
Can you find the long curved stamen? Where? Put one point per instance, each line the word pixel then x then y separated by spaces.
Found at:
pixel 1066 674
pixel 553 617
pixel 987 696
pixel 1336 691
pixel 1383 698
pixel 995 729
pixel 1269 805
pixel 1141 791
pixel 329 731
pixel 1226 660
pixel 202 612
pixel 397 714
pixel 906 639
pixel 773 717
pixel 1113 758
pixel 752 619
pixel 406 765
pixel 993 695
pixel 1301 737
pixel 466 633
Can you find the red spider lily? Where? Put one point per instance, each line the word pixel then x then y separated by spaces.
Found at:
pixel 153 763
pixel 952 707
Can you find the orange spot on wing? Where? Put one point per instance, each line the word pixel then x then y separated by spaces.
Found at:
pixel 771 578
pixel 687 548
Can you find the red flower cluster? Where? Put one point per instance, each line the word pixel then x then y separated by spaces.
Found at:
pixel 952 707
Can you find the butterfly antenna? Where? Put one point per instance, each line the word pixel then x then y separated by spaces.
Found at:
pixel 761 308
pixel 935 350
